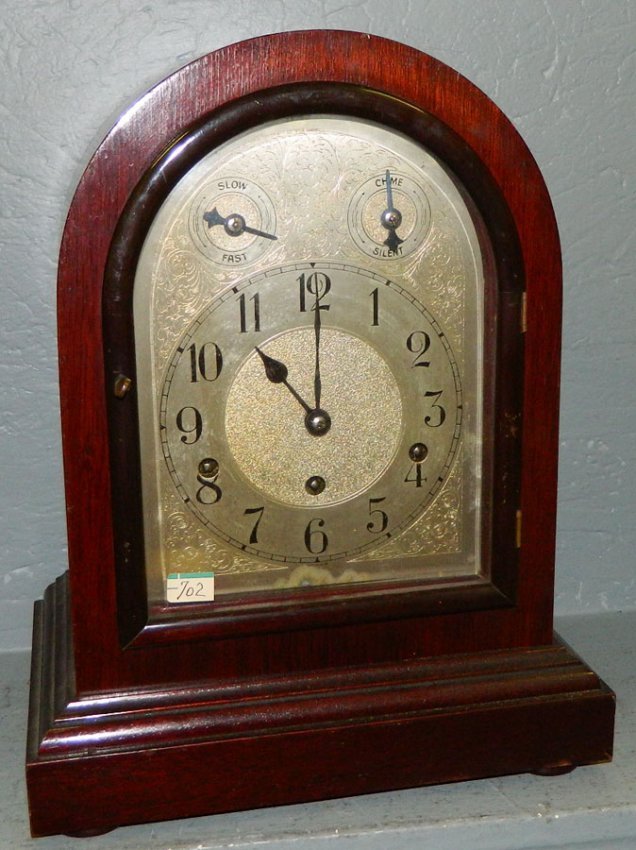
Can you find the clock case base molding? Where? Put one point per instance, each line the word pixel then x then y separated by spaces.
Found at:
pixel 151 754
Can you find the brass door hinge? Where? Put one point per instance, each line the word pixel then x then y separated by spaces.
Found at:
pixel 524 322
pixel 518 529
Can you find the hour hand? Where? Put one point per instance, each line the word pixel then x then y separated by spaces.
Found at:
pixel 277 372
pixel 317 421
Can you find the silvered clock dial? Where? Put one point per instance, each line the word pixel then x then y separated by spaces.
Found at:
pixel 309 330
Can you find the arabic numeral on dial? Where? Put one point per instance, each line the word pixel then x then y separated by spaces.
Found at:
pixel 256 313
pixel 415 475
pixel 317 284
pixel 258 512
pixel 380 520
pixel 418 343
pixel 316 541
pixel 209 493
pixel 207 362
pixel 438 416
pixel 375 298
pixel 190 423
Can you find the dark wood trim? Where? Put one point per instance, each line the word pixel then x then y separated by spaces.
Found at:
pixel 266 613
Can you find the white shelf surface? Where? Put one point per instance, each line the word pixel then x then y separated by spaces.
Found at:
pixel 592 807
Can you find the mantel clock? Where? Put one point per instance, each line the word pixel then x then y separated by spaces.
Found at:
pixel 309 324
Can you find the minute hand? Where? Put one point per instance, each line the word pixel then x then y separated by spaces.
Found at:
pixel 317 381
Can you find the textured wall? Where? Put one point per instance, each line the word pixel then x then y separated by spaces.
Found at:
pixel 563 70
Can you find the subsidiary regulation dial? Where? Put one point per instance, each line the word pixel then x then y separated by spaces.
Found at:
pixel 389 215
pixel 232 221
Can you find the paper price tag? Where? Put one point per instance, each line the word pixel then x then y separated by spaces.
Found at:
pixel 190 587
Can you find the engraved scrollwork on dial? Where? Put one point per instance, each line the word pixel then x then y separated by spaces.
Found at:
pixel 438 531
pixel 180 272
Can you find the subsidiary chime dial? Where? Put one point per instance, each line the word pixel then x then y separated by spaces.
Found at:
pixel 307 324
pixel 389 215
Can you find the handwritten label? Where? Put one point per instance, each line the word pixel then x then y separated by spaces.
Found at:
pixel 190 587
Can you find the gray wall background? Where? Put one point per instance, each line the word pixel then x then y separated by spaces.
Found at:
pixel 565 73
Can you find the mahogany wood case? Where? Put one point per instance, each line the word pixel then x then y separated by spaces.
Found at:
pixel 140 715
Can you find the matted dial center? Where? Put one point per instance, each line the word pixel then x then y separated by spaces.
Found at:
pixel 348 442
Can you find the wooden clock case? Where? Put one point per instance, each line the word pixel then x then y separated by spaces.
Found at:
pixel 142 714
